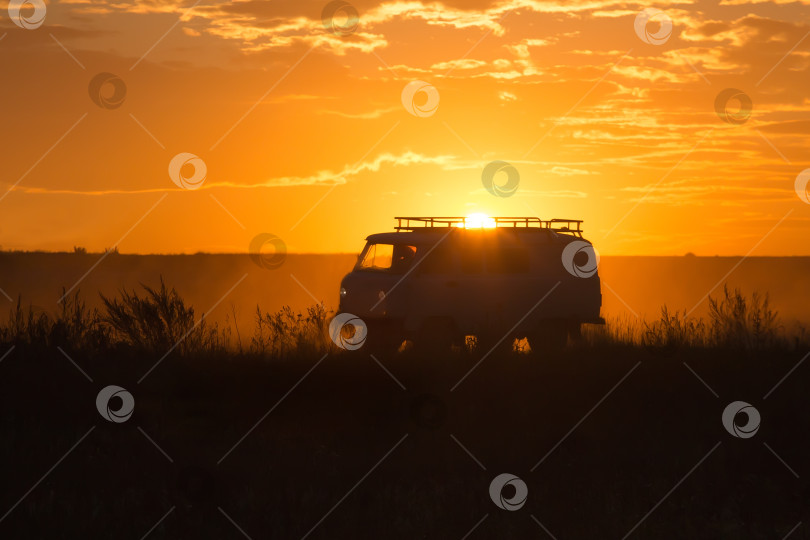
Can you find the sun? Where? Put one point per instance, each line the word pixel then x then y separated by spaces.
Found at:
pixel 479 221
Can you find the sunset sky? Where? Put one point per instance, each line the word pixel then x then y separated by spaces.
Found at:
pixel 304 134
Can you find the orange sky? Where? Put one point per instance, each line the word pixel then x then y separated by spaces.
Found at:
pixel 304 134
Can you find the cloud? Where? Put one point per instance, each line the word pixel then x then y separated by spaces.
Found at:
pixel 506 96
pixel 702 193
pixel 370 115
pixel 549 194
pixel 791 127
pixel 327 177
pixel 324 177
pixel 91 193
pixel 260 26
pixel 751 2
pixel 566 171
pixel 446 162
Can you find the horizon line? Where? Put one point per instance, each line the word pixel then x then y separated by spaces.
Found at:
pixel 333 253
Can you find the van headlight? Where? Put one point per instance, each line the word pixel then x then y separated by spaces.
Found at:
pixel 343 292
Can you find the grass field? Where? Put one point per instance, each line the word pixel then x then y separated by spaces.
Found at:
pixel 281 434
pixel 631 286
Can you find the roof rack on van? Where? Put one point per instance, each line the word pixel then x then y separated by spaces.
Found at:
pixel 559 225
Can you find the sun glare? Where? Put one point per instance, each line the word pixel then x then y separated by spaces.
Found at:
pixel 479 221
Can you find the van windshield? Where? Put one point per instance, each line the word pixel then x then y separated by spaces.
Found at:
pixel 387 257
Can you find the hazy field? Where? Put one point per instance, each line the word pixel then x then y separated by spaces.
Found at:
pixel 613 438
pixel 644 284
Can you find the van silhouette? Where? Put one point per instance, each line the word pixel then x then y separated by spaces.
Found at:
pixel 437 280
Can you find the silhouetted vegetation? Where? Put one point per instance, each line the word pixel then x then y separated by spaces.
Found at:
pixel 158 319
pixel 734 322
pixel 73 325
pixel 286 332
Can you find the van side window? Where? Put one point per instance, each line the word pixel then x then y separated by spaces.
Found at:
pixel 507 260
pixel 402 258
pixel 384 257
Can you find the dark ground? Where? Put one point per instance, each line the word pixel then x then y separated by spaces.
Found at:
pixel 349 454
